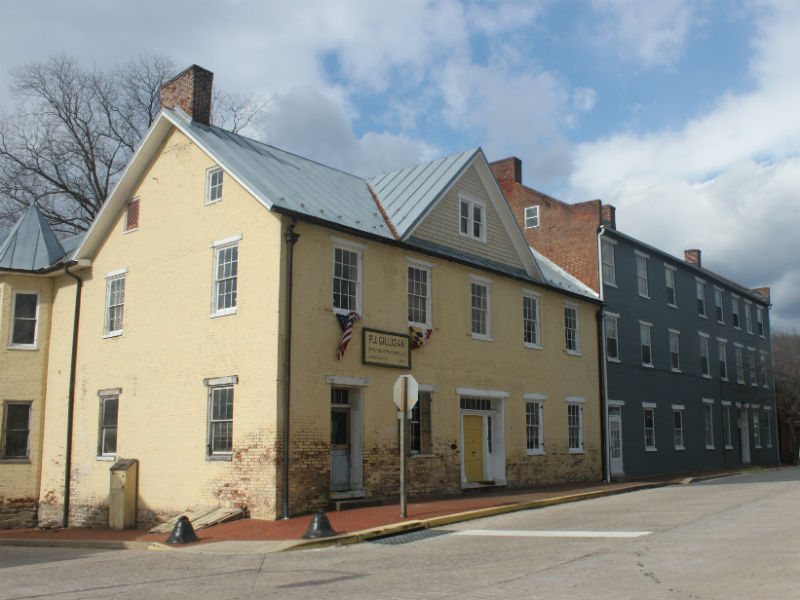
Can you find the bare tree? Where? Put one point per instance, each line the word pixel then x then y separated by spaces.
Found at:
pixel 786 370
pixel 73 131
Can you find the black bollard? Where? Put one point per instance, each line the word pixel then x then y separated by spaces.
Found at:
pixel 319 527
pixel 183 532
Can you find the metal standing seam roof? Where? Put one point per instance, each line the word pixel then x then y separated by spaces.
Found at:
pixel 555 275
pixel 31 244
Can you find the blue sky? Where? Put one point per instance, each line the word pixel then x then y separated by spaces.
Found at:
pixel 682 113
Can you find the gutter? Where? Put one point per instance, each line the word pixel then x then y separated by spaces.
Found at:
pixel 291 239
pixel 603 359
pixel 71 397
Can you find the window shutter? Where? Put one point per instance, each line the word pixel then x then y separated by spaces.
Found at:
pixel 132 215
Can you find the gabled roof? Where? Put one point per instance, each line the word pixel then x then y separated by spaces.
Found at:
pixel 31 245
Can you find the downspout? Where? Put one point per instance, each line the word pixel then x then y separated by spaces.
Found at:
pixel 603 358
pixel 71 397
pixel 291 239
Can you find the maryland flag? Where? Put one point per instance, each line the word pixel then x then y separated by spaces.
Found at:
pixel 419 336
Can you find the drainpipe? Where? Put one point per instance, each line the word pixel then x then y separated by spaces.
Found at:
pixel 291 239
pixel 603 359
pixel 71 397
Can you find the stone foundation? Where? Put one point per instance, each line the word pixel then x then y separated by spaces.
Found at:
pixel 18 513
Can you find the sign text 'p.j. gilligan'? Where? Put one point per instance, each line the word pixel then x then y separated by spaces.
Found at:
pixel 386 349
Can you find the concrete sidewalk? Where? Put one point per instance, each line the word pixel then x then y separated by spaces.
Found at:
pixel 356 525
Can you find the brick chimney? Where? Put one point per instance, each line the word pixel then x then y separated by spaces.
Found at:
pixel 692 256
pixel 609 215
pixel 507 170
pixel 190 91
pixel 764 291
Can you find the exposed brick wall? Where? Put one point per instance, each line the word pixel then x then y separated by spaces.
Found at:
pixel 191 91
pixel 17 513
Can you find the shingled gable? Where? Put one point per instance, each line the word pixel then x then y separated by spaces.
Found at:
pixel 31 245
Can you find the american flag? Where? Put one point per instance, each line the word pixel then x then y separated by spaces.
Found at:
pixel 347 333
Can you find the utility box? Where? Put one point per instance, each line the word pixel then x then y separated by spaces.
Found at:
pixel 122 509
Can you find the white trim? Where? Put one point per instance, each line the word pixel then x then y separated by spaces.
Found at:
pixel 339 241
pixel 217 381
pixel 117 273
pixel 616 402
pixel 648 405
pixel 708 401
pixel 355 382
pixel 475 393
pixel 575 399
pixel 472 202
pixel 487 283
pixel 226 241
pixel 422 263
pixel 35 344
pixel 423 387
pixel 725 402
pixel 481 280
pixel 678 407
pixel 209 172
pixel 534 397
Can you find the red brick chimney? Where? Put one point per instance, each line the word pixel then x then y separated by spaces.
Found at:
pixel 764 291
pixel 692 256
pixel 609 216
pixel 507 170
pixel 190 91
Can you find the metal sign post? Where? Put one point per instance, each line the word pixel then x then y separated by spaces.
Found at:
pixel 406 392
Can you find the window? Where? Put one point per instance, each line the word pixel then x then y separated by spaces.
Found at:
pixel 677 426
pixel 109 411
pixel 726 425
pixel 226 277
pixel 16 430
pixel 115 302
pixel 533 426
pixel 609 266
pixel 756 427
pixel 675 350
pixel 735 311
pixel 723 359
pixel 420 425
pixel 419 295
pixel 705 366
pixel 708 413
pixel 718 301
pixel 701 297
pixel 473 220
pixel 649 426
pixel 531 217
pixel 480 301
pixel 571 342
pixel 645 337
pixel 575 424
pixel 763 373
pixel 25 320
pixel 748 316
pixel 132 215
pixel 751 365
pixel 612 337
pixel 768 425
pixel 641 275
pixel 347 279
pixel 669 276
pixel 213 185
pixel 739 352
pixel 530 319
pixel 760 320
pixel 220 418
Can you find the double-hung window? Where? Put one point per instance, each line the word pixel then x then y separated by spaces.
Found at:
pixel 534 404
pixel 718 303
pixel 575 423
pixel 480 303
pixel 420 430
pixel 419 294
pixel 530 319
pixel 609 264
pixel 735 311
pixel 760 320
pixel 213 185
pixel 756 427
pixel 708 420
pixel 472 219
pixel 705 364
pixel 674 350
pixel 226 276
pixel 571 339
pixel 701 297
pixel 764 380
pixel 677 426
pixel 669 277
pixel 726 424
pixel 347 274
pixel 768 425
pixel 751 366
pixel 649 412
pixel 645 336
pixel 115 302
pixel 16 430
pixel 109 415
pixel 723 358
pixel 24 321
pixel 748 316
pixel 739 353
pixel 531 217
pixel 220 416
pixel 641 275
pixel 611 322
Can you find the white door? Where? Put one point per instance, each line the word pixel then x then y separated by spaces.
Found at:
pixel 615 440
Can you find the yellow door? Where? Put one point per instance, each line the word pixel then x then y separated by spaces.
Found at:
pixel 473 447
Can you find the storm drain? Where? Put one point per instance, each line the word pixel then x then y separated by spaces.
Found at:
pixel 411 536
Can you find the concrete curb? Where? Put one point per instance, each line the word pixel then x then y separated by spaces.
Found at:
pixel 85 544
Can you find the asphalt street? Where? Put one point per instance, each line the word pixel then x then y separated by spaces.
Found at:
pixel 735 537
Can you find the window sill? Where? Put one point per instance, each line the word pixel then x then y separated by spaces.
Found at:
pixel 614 360
pixel 728 447
pixel 422 455
pixel 532 346
pixel 535 452
pixel 610 284
pixel 643 296
pixel 675 370
pixel 577 451
pixel 224 313
pixel 472 237
pixel 219 457
pixel 723 379
pixel 706 376
pixel 573 352
pixel 710 447
pixel 107 458
pixel 648 365
pixel 113 334
pixel 22 460
pixel 127 231
pixel 27 347
pixel 670 305
pixel 210 202
pixel 485 338
pixel 651 449
pixel 680 447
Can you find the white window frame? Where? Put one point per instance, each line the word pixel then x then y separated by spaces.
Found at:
pixel 531 217
pixel 764 374
pixel 671 283
pixel 608 250
pixel 218 247
pixel 649 407
pixel 103 428
pixel 756 425
pixel 719 305
pixel 748 316
pixel 4 457
pixel 705 352
pixel 751 366
pixel 357 249
pixel 708 423
pixel 700 286
pixel 575 409
pixel 471 204
pixel 576 351
pixel 675 335
pixel 768 421
pixel 423 267
pixel 736 317
pixel 24 346
pixel 214 188
pixel 727 440
pixel 112 279
pixel 534 404
pixel 477 282
pixel 646 341
pixel 738 351
pixel 642 278
pixel 722 354
pixel 213 384
pixel 534 297
pixel 760 329
pixel 613 319
pixel 678 409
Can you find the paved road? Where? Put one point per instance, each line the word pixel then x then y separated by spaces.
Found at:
pixel 731 538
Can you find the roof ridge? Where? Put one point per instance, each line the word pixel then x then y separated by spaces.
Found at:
pixel 383 212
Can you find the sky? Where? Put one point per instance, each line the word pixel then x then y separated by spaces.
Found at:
pixel 684 114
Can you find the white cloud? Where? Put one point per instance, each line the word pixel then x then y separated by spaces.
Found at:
pixel 584 99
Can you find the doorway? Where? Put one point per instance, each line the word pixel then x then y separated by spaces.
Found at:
pixel 482 442
pixel 615 440
pixel 345 440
